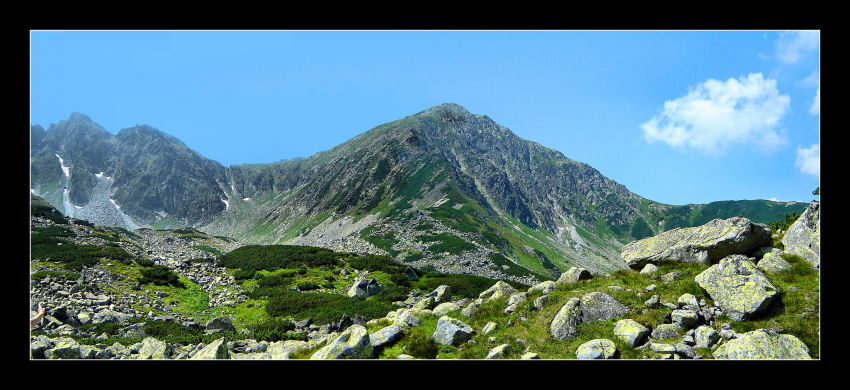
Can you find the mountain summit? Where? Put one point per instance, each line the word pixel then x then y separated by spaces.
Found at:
pixel 441 188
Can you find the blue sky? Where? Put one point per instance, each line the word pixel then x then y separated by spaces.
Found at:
pixel 676 116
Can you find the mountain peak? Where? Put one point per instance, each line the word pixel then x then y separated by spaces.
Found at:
pixel 78 117
pixel 448 108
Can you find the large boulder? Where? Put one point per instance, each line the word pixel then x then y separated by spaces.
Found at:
pixel 599 306
pixel 107 315
pixel 64 348
pixel 763 344
pixel 737 287
pixel 451 331
pixel 773 263
pixel 354 343
pixel 702 244
pixel 803 236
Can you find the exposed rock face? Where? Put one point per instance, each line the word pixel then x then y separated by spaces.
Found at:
pixel 803 236
pixel 385 336
pixel 354 343
pixel 214 350
pixel 703 244
pixel 737 287
pixel 155 349
pixel 763 344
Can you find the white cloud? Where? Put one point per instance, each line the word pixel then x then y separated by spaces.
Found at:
pixel 808 160
pixel 717 114
pixel 813 81
pixel 793 45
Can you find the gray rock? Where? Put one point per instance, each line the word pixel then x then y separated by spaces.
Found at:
pixel 364 288
pixel 64 348
pixel 451 331
pixel 597 349
pixel 684 318
pixel 803 236
pixel 703 244
pixel 566 321
pixel 490 327
pixel 739 288
pixel 653 302
pixel 706 337
pixel 445 308
pixel 599 306
pixel 762 344
pixel 471 309
pixel 773 263
pixel 219 324
pixel 631 332
pixel 354 343
pixel 665 332
pixel 385 336
pixel 155 349
pixel 214 350
pixel 497 291
pixel 649 269
pixel 543 287
pixel 540 301
pixel 110 316
pixel 498 352
pixel 574 275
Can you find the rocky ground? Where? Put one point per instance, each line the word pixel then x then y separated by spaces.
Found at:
pixel 733 258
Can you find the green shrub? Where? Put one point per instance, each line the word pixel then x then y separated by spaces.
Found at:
pixel 446 242
pixel 145 262
pixel 54 274
pixel 307 286
pixel 421 346
pixel 160 276
pixel 321 307
pixel 272 257
pixel 44 210
pixel 275 329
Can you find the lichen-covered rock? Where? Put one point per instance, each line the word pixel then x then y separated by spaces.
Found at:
pixel 702 244
pixel 353 343
pixel 706 337
pixel 540 301
pixel 497 291
pixel 599 306
pixel 596 349
pixel 688 301
pixel 665 332
pixel 364 288
pixel 772 262
pixel 155 349
pixel 441 294
pixel 471 309
pixel 739 288
pixel 64 348
pixel 499 352
pixel 445 308
pixel 407 319
pixel 573 275
pixel 490 327
pixel 107 315
pixel 763 344
pixel 451 331
pixel 803 236
pixel 385 336
pixel 544 287
pixel 684 318
pixel 630 331
pixel 567 320
pixel 649 269
pixel 214 350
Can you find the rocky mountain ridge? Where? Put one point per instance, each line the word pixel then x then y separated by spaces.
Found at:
pixel 442 172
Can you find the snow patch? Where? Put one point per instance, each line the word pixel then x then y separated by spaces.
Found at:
pixel 115 204
pixel 65 170
pixel 99 175
pixel 226 204
pixel 246 198
pixel 441 201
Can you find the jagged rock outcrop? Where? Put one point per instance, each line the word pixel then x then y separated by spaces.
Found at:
pixel 704 244
pixel 803 236
pixel 739 288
